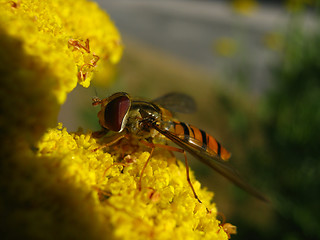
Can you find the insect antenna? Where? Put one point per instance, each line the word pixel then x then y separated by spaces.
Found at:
pixel 96 100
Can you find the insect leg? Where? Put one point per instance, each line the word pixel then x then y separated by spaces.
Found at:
pixel 144 167
pixel 170 148
pixel 227 227
pixel 188 176
pixel 112 140
pixel 103 195
pixel 114 164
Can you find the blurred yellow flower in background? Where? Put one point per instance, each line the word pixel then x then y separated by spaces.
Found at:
pixel 273 41
pixel 244 7
pixel 225 47
pixel 297 5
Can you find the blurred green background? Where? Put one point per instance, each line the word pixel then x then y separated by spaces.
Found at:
pixel 272 130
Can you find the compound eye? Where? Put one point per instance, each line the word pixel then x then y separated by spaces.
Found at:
pixel 115 113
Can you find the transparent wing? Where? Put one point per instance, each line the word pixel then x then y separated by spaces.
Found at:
pixel 177 102
pixel 222 167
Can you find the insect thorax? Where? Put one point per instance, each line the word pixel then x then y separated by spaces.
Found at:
pixel 140 122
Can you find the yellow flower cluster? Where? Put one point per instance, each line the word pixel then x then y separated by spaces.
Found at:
pixel 47 47
pixel 165 208
pixel 70 37
pixel 57 185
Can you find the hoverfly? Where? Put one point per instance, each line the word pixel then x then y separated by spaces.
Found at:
pixel 153 120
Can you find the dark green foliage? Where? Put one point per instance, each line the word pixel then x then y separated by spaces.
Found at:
pixel 292 131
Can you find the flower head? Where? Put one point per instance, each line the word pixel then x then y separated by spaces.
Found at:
pixel 164 208
pixel 60 185
pixel 47 47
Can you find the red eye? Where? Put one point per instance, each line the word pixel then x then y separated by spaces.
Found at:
pixel 115 113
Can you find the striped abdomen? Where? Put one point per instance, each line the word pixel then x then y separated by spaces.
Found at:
pixel 199 139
